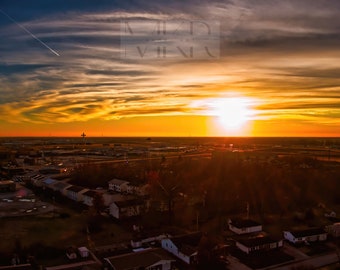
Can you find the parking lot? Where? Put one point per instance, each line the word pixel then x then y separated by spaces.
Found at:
pixel 22 202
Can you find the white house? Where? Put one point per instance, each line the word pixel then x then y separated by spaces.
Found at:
pixel 118 185
pixel 243 226
pixel 61 187
pixel 75 193
pixel 258 243
pixel 304 236
pixel 83 252
pixel 183 247
pixel 115 197
pixel 88 197
pixel 127 208
pixel 149 259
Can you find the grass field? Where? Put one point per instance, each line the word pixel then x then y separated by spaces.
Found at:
pixel 50 231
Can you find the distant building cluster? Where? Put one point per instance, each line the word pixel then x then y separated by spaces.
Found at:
pixel 121 198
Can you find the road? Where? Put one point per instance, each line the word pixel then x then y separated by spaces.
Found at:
pixel 311 262
pixel 204 155
pixel 235 264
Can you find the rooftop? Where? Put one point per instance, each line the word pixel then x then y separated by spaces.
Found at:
pixel 256 241
pixel 118 182
pixel 139 259
pixel 49 181
pixel 127 203
pixel 90 193
pixel 307 232
pixel 75 188
pixel 243 223
pixel 187 243
pixel 61 185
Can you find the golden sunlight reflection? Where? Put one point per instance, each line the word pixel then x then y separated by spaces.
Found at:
pixel 232 114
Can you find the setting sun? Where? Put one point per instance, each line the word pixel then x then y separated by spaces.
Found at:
pixel 233 113
pixel 166 71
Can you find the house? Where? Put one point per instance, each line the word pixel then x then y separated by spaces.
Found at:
pixel 138 242
pixel 149 259
pixel 118 185
pixel 61 187
pixel 304 236
pixel 139 190
pixel 334 229
pixel 109 198
pixel 258 243
pixel 126 208
pixel 243 226
pixel 88 197
pixel 83 252
pixel 48 183
pixel 331 214
pixel 184 247
pixel 75 193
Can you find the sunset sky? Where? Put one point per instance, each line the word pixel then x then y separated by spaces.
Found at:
pixel 267 68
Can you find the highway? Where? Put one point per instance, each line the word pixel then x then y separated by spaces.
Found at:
pixel 91 161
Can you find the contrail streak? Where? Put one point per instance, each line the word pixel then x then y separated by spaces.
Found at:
pixel 31 34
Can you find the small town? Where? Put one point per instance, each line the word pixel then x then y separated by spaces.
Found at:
pixel 101 203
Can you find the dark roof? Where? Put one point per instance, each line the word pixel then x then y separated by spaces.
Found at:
pixel 187 243
pixel 307 232
pixel 257 241
pixel 61 185
pixel 75 188
pixel 243 223
pixel 188 250
pixel 139 259
pixel 127 203
pixel 90 193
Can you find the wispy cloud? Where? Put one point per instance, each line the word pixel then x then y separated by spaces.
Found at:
pixel 284 54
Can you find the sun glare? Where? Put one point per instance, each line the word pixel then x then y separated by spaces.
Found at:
pixel 233 113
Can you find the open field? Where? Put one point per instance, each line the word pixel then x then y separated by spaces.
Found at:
pixel 51 230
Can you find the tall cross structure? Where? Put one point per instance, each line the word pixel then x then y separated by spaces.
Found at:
pixel 83 135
